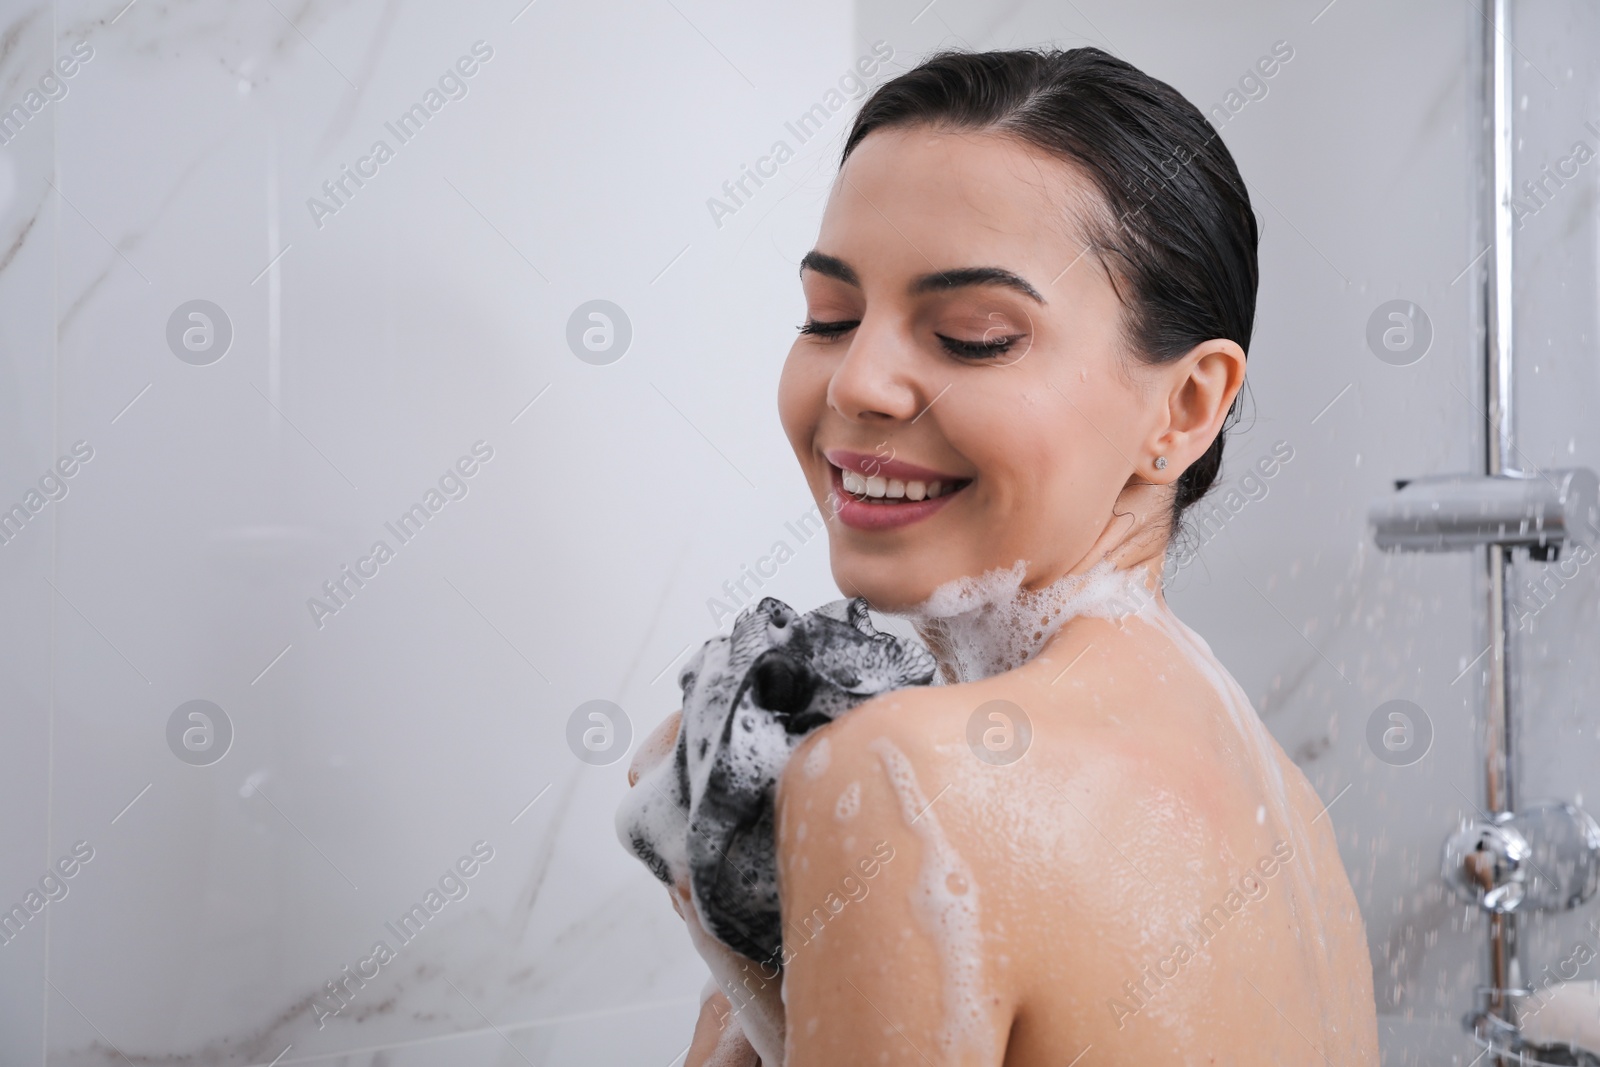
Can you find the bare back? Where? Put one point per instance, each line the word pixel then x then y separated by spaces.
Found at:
pixel 1153 878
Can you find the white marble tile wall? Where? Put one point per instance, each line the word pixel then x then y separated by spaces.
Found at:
pixel 383 329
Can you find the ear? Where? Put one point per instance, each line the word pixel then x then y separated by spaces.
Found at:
pixel 1199 389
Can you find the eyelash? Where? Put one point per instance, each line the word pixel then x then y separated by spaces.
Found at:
pixel 964 349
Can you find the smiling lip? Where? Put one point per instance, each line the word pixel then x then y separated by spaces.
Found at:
pixel 888 468
pixel 864 515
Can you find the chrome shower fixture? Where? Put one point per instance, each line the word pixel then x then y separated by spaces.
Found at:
pixel 1543 858
pixel 1539 511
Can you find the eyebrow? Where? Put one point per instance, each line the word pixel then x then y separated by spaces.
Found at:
pixel 938 281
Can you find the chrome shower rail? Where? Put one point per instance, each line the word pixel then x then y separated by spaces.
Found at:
pixel 1499 740
pixel 1548 856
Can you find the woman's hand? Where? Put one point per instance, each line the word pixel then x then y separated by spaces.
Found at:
pixel 760 1011
pixel 655 748
pixel 718 1041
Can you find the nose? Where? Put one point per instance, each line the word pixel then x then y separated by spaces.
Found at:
pixel 876 380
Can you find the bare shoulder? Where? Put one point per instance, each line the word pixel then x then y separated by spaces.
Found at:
pixel 911 846
pixel 836 793
pixel 993 775
pixel 860 847
pixel 904 718
pixel 1091 795
pixel 870 774
pixel 1006 766
pixel 855 807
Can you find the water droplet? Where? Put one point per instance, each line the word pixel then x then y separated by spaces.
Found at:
pixel 955 883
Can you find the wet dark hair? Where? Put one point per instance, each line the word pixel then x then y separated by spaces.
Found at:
pixel 1173 227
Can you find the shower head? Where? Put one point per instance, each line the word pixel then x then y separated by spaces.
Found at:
pixel 1450 512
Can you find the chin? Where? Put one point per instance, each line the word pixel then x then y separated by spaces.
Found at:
pixel 893 584
pixel 885 595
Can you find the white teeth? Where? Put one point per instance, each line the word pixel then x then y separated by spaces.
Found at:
pixel 880 488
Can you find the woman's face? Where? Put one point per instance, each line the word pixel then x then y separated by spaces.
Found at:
pixel 965 340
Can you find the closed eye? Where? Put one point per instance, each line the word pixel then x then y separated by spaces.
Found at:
pixel 828 329
pixel 954 345
pixel 977 349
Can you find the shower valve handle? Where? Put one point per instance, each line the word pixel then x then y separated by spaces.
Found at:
pixel 1543 858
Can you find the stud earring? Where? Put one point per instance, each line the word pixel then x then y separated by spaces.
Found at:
pixel 1161 463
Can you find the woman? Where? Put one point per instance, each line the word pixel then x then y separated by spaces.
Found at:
pixel 1027 315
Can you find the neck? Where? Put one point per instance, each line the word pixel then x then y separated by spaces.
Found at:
pixel 981 626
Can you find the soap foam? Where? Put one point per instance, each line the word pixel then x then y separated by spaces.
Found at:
pixel 986 625
pixel 817 759
pixel 849 804
pixel 946 899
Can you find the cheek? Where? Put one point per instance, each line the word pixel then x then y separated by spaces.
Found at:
pixel 1017 438
pixel 1048 467
pixel 802 394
